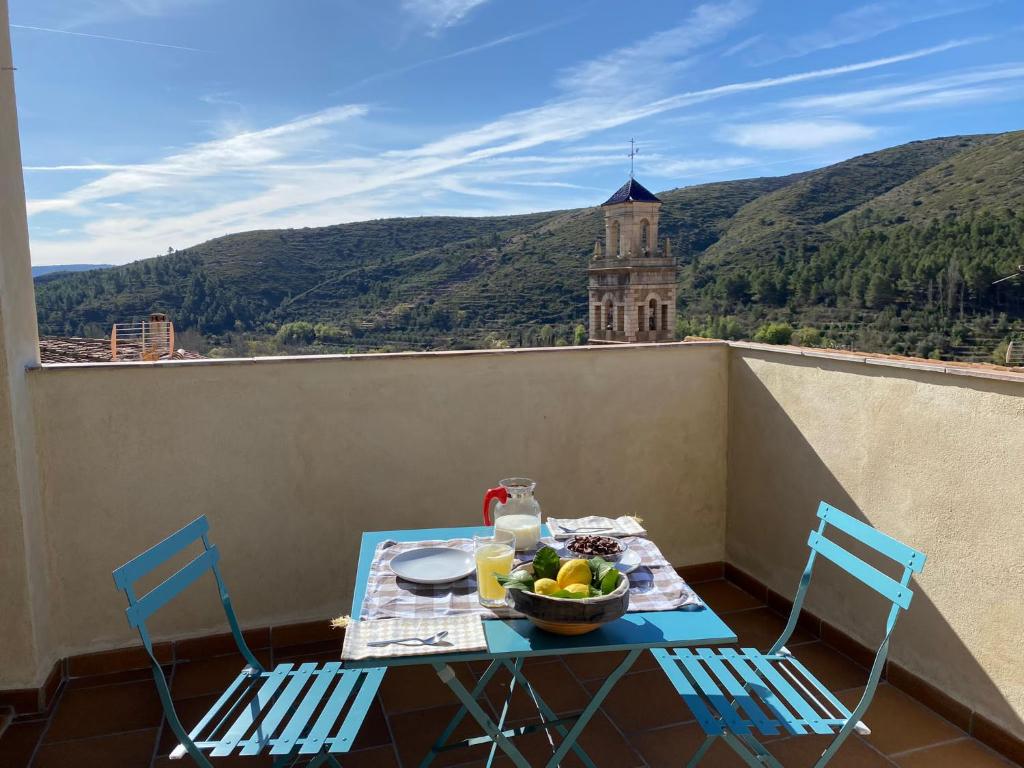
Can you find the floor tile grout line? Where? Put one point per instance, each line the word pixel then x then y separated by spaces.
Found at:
pixel 57 698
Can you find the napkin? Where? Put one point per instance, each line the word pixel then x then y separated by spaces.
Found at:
pixel 626 525
pixel 465 633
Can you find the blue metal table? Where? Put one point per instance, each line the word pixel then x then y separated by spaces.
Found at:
pixel 510 642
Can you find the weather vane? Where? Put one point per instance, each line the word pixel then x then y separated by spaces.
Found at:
pixel 633 152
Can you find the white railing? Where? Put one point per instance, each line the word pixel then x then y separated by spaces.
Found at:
pixel 142 340
pixel 1015 353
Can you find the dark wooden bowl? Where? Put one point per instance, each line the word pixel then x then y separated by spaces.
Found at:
pixel 568 616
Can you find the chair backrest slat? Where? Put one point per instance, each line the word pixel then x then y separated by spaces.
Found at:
pixel 906 556
pixel 167 590
pixel 868 574
pixel 160 553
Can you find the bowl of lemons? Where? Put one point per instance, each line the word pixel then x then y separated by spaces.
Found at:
pixel 567 596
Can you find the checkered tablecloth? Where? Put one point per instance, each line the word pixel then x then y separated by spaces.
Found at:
pixel 465 633
pixel 653 586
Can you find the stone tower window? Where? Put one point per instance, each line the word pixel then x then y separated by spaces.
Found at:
pixel 652 318
pixel 645 236
pixel 609 310
pixel 613 239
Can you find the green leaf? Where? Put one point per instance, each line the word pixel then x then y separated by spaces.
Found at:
pixel 568 594
pixel 609 581
pixel 600 567
pixel 509 582
pixel 546 563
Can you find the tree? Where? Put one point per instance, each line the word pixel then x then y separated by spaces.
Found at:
pixel 579 336
pixel 807 337
pixel 774 333
pixel 879 293
pixel 300 332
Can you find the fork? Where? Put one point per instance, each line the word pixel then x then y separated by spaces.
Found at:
pixel 588 528
pixel 432 640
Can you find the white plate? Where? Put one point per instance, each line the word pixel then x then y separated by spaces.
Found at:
pixel 629 561
pixel 432 565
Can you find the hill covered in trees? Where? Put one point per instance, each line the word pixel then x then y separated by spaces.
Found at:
pixel 893 251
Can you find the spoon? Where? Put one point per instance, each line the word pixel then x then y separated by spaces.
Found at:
pixel 432 640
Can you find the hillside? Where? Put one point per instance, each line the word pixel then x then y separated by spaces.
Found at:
pixel 891 251
pixel 52 269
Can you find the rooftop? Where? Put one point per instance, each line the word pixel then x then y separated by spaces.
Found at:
pixel 79 349
pixel 711 443
pixel 632 192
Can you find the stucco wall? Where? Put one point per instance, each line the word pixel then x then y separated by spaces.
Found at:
pixel 930 458
pixel 22 600
pixel 292 459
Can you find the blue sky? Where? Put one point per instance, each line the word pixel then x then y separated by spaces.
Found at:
pixel 154 123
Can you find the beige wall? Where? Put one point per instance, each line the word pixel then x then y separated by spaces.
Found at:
pixel 293 458
pixel 24 646
pixel 930 458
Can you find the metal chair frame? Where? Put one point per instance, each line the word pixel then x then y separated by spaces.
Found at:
pixel 799 702
pixel 258 702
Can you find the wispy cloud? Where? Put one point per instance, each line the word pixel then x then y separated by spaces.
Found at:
pixel 82 13
pixel 939 91
pixel 496 42
pixel 107 38
pixel 796 134
pixel 300 173
pixel 683 167
pixel 695 97
pixel 865 22
pixel 742 45
pixel 240 152
pixel 664 52
pixel 438 14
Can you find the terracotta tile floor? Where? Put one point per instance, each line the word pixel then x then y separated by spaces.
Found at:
pixel 116 721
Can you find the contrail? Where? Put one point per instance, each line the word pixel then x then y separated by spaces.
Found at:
pixel 108 37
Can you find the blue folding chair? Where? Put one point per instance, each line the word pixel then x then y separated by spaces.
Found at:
pixel 733 693
pixel 250 717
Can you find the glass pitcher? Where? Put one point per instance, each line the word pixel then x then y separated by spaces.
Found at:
pixel 517 511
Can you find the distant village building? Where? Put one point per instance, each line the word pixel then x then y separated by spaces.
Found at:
pixel 143 340
pixel 632 282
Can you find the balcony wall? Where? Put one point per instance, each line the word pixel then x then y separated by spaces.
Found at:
pixel 724 452
pixel 292 458
pixel 931 458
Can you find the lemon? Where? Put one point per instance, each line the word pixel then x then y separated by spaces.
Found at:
pixel 545 586
pixel 583 590
pixel 574 572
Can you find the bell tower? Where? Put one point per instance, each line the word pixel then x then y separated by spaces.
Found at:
pixel 632 282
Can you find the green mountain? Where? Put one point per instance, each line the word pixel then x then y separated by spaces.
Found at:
pixel 892 251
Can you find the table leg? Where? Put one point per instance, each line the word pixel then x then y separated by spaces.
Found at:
pixel 549 714
pixel 570 738
pixel 448 677
pixel 514 668
pixel 478 690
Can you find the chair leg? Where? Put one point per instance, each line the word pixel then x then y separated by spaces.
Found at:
pixel 699 754
pixel 322 758
pixel 751 751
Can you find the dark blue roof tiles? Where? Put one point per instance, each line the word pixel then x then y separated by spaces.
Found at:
pixel 632 192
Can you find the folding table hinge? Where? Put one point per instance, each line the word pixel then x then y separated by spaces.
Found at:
pixel 446 673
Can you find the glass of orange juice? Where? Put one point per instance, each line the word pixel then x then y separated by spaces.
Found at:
pixel 493 558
